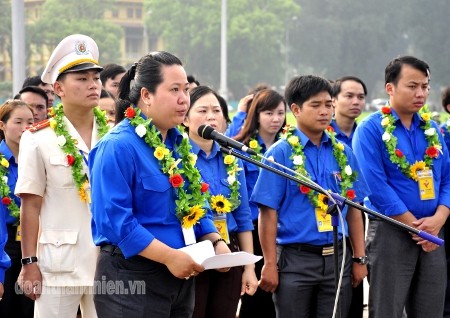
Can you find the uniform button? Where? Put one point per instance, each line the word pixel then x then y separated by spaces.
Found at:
pixel 58 243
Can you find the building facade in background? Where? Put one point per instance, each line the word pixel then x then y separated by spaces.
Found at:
pixel 128 14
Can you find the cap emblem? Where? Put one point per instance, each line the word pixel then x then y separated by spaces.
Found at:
pixel 81 48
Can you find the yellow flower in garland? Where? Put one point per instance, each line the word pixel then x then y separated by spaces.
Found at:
pixel 340 146
pixel 4 162
pixel 195 214
pixel 322 202
pixel 426 116
pixel 253 144
pixel 160 152
pixel 228 159
pixel 5 191
pixel 220 204
pixel 293 140
pixel 417 166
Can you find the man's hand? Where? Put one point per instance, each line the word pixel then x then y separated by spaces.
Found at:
pixel 269 278
pixel 30 280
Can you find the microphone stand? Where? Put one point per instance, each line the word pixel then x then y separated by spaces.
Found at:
pixel 332 209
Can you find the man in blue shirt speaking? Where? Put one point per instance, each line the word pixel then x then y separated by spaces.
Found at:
pixel 294 228
pixel 405 162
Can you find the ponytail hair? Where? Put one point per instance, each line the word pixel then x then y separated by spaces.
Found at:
pixel 145 73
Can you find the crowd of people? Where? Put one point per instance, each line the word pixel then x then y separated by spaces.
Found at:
pixel 105 176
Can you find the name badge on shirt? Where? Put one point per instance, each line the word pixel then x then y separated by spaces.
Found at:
pixel 323 220
pixel 189 236
pixel 87 192
pixel 18 235
pixel 426 184
pixel 220 221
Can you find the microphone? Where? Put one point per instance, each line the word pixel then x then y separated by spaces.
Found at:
pixel 209 133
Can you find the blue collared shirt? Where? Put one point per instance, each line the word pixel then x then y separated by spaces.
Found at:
pixel 12 180
pixel 213 172
pixel 133 201
pixel 236 124
pixel 446 133
pixel 392 193
pixel 340 135
pixel 296 214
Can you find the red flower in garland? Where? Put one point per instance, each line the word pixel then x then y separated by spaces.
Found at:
pixel 70 160
pixel 130 113
pixel 330 129
pixel 6 200
pixel 399 153
pixel 432 152
pixel 386 109
pixel 205 187
pixel 351 194
pixel 176 180
pixel 286 128
pixel 304 189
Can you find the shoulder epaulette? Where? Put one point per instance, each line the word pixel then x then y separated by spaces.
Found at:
pixel 38 126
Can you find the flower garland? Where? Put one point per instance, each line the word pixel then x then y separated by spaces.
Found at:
pixel 68 145
pixel 221 204
pixel 189 205
pixel 347 175
pixel 5 191
pixel 254 145
pixel 396 155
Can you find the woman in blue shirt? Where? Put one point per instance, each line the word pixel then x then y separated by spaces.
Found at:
pixel 15 116
pixel 217 294
pixel 266 117
pixel 147 197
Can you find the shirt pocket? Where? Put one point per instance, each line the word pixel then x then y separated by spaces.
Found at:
pixel 60 173
pixel 57 251
pixel 158 196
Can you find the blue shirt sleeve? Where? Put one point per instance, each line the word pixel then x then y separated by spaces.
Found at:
pixel 236 124
pixel 112 198
pixel 5 261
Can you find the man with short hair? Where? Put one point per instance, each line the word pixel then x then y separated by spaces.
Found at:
pixel 111 76
pixel 294 228
pixel 47 88
pixel 37 99
pixel 349 98
pixel 405 162
pixel 58 253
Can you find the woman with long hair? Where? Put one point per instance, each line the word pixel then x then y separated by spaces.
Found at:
pixel 265 120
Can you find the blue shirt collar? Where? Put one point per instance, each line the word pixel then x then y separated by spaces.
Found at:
pixel 4 149
pixel 416 120
pixel 305 140
pixel 197 150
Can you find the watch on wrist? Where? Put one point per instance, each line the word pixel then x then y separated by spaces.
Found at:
pixel 29 260
pixel 363 260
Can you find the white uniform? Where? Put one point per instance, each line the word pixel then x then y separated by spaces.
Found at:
pixel 66 252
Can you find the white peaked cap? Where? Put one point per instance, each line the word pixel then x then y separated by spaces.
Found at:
pixel 77 52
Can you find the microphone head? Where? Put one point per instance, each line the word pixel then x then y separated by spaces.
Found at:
pixel 205 131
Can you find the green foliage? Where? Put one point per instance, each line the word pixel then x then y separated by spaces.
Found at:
pixel 191 30
pixel 77 16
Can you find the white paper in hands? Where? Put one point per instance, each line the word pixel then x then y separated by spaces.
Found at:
pixel 203 253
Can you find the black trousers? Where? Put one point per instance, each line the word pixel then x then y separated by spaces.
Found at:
pixel 217 294
pixel 261 303
pixel 14 304
pixel 138 288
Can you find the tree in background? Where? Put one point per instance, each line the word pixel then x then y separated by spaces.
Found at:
pixel 60 18
pixel 191 30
